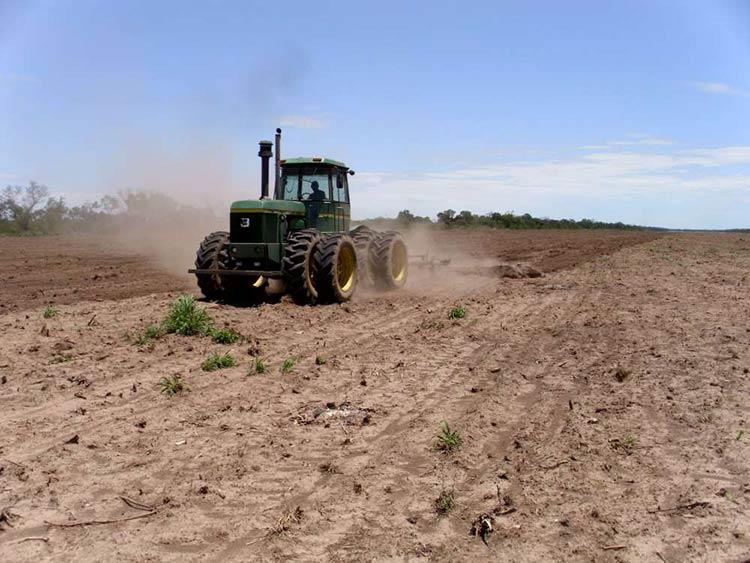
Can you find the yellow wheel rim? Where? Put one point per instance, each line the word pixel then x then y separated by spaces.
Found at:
pixel 398 261
pixel 346 268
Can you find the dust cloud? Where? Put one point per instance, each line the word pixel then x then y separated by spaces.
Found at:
pixel 170 200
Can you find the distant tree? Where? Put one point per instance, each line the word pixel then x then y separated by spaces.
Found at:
pixel 446 217
pixel 18 204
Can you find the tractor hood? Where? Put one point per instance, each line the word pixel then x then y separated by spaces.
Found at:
pixel 268 206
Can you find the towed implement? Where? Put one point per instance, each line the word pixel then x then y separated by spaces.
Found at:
pixel 298 241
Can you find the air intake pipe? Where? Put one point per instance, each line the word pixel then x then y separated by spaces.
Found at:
pixel 265 154
pixel 277 162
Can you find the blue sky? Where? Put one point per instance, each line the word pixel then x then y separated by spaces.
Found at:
pixel 633 111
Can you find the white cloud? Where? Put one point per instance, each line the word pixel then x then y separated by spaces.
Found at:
pixel 302 122
pixel 595 176
pixel 720 88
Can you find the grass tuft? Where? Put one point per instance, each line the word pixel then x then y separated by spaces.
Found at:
pixel 186 318
pixel 447 440
pixel 224 335
pixel 49 312
pixel 457 312
pixel 218 361
pixel 288 364
pixel 444 503
pixel 151 332
pixel 258 366
pixel 173 385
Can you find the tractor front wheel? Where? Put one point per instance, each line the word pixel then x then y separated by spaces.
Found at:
pixel 336 264
pixel 298 265
pixel 207 258
pixel 389 260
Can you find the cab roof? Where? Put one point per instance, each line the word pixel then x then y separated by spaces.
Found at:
pixel 314 160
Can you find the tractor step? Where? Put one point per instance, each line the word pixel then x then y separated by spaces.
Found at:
pixel 247 273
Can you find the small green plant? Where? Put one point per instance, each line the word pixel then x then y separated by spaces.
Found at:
pixel 629 442
pixel 60 358
pixel 447 440
pixel 288 364
pixel 444 503
pixel 218 361
pixel 173 385
pixel 457 312
pixel 739 435
pixel 258 366
pixel 224 335
pixel 151 332
pixel 186 318
pixel 49 312
pixel 320 360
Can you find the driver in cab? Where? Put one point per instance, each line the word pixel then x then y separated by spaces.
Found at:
pixel 313 210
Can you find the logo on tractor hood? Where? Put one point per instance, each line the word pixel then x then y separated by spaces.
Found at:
pixel 245 222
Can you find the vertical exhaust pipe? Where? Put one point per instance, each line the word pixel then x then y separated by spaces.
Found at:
pixel 277 162
pixel 265 154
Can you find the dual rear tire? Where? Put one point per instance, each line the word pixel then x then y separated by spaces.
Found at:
pixel 320 268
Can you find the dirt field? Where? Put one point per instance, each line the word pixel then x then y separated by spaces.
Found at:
pixel 603 410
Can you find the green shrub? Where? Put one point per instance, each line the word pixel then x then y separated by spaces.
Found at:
pixel 186 318
pixel 218 361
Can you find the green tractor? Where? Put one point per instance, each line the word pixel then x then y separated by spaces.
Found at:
pixel 298 242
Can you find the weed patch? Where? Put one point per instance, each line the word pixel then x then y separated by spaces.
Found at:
pixel 444 503
pixel 458 312
pixel 185 317
pixel 218 361
pixel 173 385
pixel 288 364
pixel 150 333
pixel 49 312
pixel 224 335
pixel 447 440
pixel 258 366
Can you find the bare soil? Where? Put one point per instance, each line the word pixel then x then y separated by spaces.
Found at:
pixel 603 410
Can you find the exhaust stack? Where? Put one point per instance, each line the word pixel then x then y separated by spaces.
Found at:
pixel 277 162
pixel 265 154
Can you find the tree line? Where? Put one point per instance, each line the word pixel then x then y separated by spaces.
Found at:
pixel 450 219
pixel 31 210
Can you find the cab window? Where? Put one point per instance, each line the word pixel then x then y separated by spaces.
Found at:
pixel 314 187
pixel 338 182
pixel 290 187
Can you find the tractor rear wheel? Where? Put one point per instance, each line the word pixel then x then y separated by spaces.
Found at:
pixel 298 265
pixel 207 258
pixel 389 260
pixel 363 237
pixel 336 265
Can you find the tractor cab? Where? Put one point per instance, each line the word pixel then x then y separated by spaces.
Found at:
pixel 321 185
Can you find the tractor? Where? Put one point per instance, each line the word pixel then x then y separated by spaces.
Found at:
pixel 299 241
